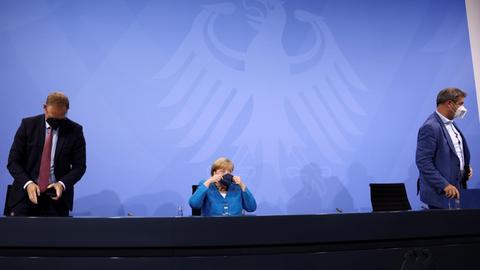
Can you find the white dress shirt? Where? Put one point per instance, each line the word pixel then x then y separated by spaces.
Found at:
pixel 456 139
pixel 52 159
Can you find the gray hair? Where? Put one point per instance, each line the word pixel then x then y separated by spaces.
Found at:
pixel 450 93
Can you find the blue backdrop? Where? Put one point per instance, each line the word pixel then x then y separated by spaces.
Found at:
pixel 312 100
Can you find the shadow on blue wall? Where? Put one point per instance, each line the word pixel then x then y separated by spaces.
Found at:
pixel 108 203
pixel 163 203
pixel 105 203
pixel 319 194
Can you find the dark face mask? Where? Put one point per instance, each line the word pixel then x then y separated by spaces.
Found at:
pixel 55 123
pixel 227 180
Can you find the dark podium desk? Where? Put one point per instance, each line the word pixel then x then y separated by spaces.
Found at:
pixel 438 239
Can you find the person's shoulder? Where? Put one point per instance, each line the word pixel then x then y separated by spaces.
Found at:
pixel 35 118
pixel 33 121
pixel 432 125
pixel 73 125
pixel 432 121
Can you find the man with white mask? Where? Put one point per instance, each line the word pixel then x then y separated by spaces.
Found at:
pixel 442 155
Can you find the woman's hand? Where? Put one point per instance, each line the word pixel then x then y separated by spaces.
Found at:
pixel 214 179
pixel 238 180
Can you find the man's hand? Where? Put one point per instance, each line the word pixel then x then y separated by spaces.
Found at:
pixel 33 192
pixel 470 173
pixel 451 192
pixel 58 188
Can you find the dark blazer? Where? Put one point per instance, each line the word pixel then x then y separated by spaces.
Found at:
pixel 438 162
pixel 26 153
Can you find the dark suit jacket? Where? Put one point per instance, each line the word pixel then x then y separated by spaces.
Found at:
pixel 438 162
pixel 26 153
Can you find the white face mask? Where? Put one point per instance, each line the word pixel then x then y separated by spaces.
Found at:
pixel 460 112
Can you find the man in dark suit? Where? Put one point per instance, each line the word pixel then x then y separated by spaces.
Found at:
pixel 46 159
pixel 442 155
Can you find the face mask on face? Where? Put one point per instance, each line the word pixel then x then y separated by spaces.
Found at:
pixel 55 123
pixel 227 180
pixel 460 112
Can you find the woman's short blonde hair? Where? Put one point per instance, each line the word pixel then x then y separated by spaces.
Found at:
pixel 221 163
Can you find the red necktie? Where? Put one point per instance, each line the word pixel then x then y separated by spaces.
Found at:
pixel 44 176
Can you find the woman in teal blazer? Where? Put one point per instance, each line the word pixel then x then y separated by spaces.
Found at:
pixel 217 199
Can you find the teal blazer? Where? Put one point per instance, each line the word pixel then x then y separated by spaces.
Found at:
pixel 212 202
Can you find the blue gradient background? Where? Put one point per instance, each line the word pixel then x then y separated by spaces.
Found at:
pixel 300 141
